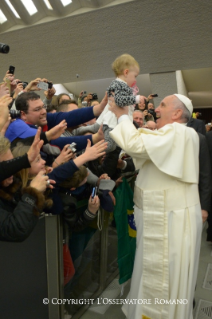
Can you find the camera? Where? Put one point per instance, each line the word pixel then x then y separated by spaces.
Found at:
pixel 15 114
pixel 94 96
pixel 151 111
pixel 23 83
pixel 50 85
pixel 72 147
pixel 4 48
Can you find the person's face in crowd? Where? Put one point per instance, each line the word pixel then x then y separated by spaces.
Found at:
pixel 208 128
pixel 167 112
pixel 138 118
pixel 131 75
pixel 6 157
pixel 150 125
pixel 36 166
pixel 36 114
pixel 64 97
pixel 141 106
pixel 151 106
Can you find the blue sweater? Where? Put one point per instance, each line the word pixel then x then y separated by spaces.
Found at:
pixel 19 129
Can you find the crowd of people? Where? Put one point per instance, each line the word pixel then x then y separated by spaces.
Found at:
pixel 57 147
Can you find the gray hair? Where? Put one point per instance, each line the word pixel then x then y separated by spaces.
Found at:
pixel 186 115
pixel 138 111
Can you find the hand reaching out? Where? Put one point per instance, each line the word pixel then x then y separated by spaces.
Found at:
pixel 56 131
pixel 4 111
pixel 35 147
pixel 4 89
pixel 64 156
pixel 41 182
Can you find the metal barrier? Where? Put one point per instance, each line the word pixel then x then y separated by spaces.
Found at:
pixel 105 276
pixel 31 271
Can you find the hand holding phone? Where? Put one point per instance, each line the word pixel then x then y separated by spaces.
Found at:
pixel 94 192
pixel 42 85
pixel 11 69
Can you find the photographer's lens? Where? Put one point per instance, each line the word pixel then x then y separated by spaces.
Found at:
pixel 4 48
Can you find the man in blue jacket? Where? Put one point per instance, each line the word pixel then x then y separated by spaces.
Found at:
pixel 33 114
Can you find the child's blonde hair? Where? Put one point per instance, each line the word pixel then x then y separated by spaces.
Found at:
pixel 123 62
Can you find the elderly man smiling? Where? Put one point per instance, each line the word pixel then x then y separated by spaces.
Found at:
pixel 167 209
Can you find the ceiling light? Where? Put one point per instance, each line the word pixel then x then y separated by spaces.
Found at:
pixel 66 2
pixel 12 9
pixel 48 4
pixel 2 17
pixel 29 5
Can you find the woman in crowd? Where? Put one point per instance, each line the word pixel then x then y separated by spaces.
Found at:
pixel 19 212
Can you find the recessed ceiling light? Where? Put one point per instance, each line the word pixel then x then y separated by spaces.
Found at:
pixel 29 5
pixel 66 2
pixel 12 9
pixel 48 4
pixel 2 17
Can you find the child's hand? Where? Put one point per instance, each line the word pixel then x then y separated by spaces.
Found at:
pixel 93 204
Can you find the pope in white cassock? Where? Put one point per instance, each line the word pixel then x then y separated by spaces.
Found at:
pixel 167 210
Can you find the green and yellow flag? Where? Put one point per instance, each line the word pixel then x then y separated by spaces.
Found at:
pixel 126 231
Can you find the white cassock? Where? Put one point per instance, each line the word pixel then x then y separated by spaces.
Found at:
pixel 168 219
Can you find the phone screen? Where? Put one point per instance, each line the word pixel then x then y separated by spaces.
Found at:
pixel 94 190
pixel 43 85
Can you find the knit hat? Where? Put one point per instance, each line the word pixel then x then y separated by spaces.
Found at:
pixel 186 101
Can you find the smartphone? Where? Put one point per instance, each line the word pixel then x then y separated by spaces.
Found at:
pixel 11 69
pixel 154 95
pixel 43 85
pixel 94 192
pixel 84 92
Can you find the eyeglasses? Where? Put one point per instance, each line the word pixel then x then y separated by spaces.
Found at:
pixel 38 109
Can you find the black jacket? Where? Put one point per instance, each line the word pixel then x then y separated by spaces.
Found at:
pixel 19 211
pixel 209 141
pixel 205 185
pixel 198 125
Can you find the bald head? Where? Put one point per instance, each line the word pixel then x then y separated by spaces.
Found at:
pixel 151 125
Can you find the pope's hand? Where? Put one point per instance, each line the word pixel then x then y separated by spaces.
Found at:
pixel 118 111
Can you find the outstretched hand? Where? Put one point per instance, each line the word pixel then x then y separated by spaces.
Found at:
pixel 4 110
pixel 56 131
pixel 95 151
pixel 99 108
pixel 98 136
pixel 35 147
